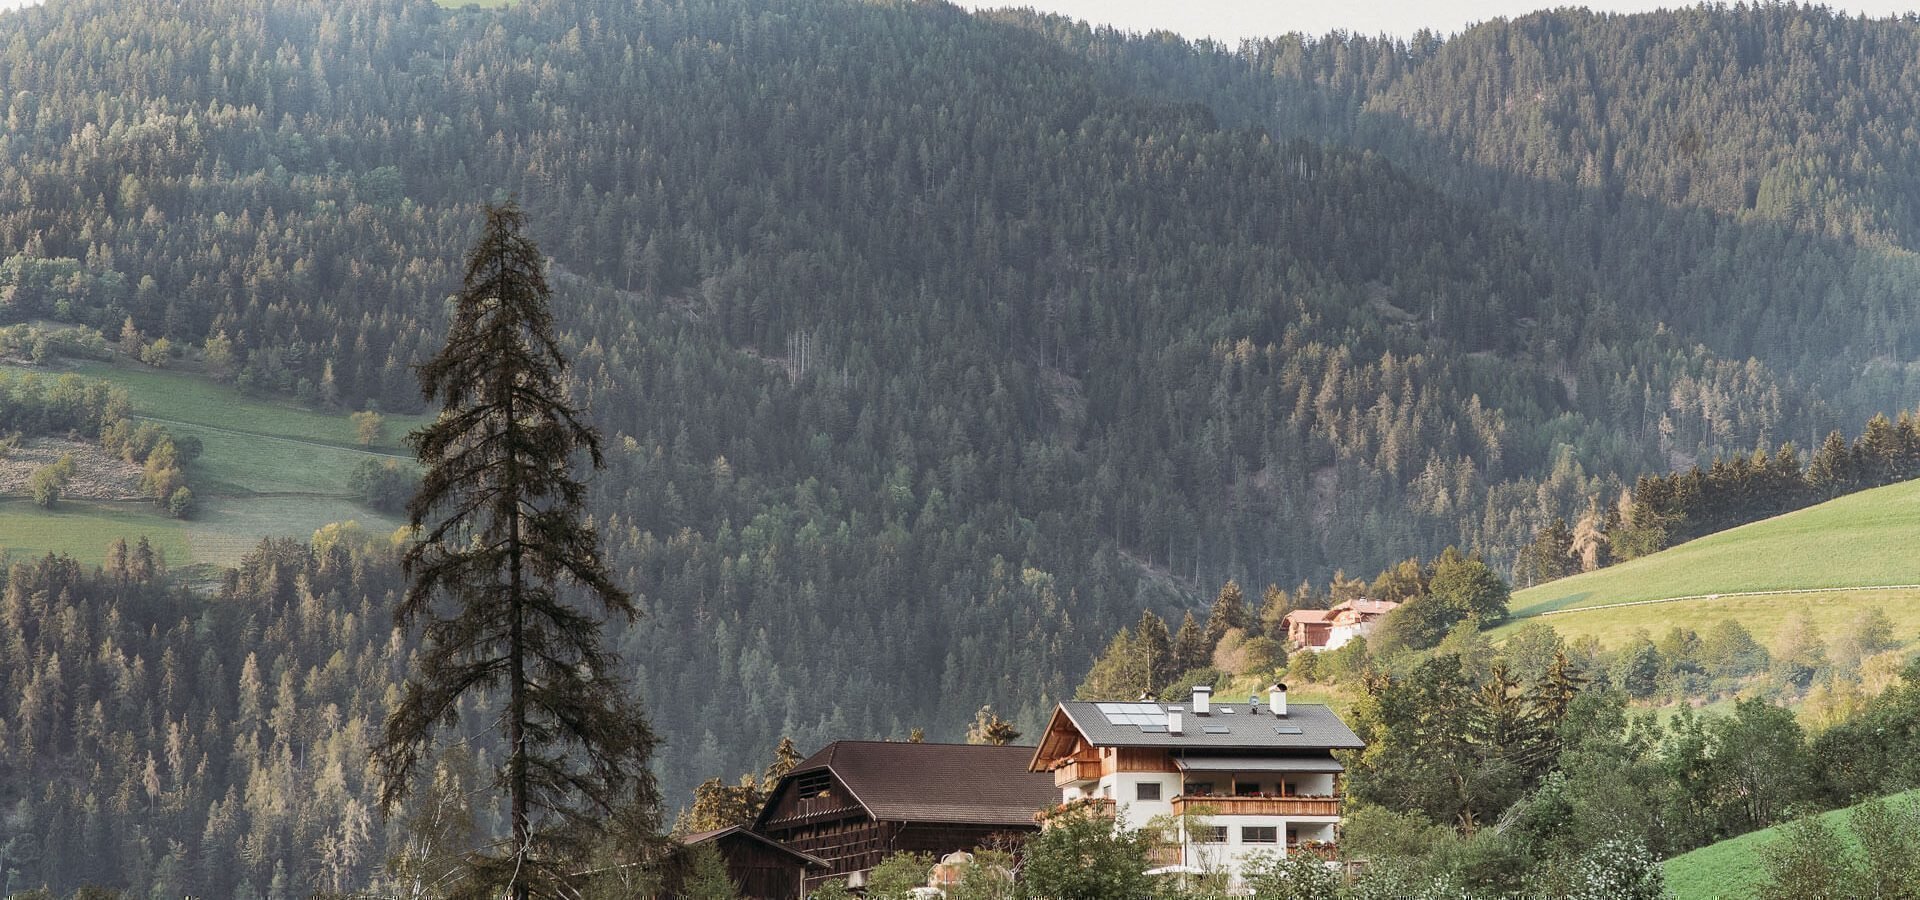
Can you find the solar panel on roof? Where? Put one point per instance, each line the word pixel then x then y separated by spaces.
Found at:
pixel 1214 729
pixel 1153 729
pixel 1132 713
pixel 1287 729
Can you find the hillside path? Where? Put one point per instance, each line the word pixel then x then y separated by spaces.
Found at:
pixel 1720 596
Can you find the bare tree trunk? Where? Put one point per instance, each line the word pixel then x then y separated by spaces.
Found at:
pixel 516 651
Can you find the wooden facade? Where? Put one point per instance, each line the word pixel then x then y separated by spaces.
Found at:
pixel 850 840
pixel 854 803
pixel 760 868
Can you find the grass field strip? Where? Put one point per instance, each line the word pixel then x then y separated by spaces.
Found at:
pixel 274 437
pixel 1722 596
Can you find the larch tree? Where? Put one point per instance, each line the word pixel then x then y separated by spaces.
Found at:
pixel 507 580
pixel 989 728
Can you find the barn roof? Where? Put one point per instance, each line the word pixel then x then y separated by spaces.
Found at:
pixel 945 783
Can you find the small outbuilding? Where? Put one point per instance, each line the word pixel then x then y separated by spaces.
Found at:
pixel 761 868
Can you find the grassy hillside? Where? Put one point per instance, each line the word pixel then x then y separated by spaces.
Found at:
pixel 1764 615
pixel 1859 540
pixel 1728 869
pixel 268 469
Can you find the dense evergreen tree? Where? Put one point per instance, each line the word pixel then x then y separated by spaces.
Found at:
pixel 1229 612
pixel 1155 645
pixel 1191 649
pixel 501 537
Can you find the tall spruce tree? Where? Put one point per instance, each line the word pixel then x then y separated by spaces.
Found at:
pixel 1229 611
pixel 507 578
pixel 1190 648
pixel 1155 644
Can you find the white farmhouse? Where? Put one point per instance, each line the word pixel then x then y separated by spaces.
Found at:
pixel 1241 779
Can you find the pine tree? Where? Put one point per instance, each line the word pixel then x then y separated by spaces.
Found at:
pixel 706 877
pixel 1831 471
pixel 1274 606
pixel 1229 611
pixel 1190 648
pixel 1119 674
pixel 1155 645
pixel 501 533
pixel 1550 556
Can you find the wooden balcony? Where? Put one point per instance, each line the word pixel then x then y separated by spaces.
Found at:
pixel 1257 806
pixel 1078 771
pixel 1099 807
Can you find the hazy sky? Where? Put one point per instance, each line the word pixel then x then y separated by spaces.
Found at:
pixel 1231 20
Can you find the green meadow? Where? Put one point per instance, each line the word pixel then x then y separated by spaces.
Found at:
pixel 268 468
pixel 1863 539
pixel 1859 540
pixel 1764 615
pixel 1730 868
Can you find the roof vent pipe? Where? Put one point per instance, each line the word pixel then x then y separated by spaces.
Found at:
pixel 1277 696
pixel 1203 699
pixel 1173 720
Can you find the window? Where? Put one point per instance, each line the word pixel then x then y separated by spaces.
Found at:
pixel 1199 789
pixel 816 784
pixel 1147 791
pixel 1211 834
pixel 1259 834
pixel 1246 789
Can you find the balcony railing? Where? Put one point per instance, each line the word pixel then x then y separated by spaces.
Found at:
pixel 1078 771
pixel 1257 806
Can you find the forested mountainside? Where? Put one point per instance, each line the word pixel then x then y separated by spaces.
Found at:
pixel 1742 175
pixel 930 347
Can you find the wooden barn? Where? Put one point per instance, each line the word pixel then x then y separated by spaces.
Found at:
pixel 759 867
pixel 856 802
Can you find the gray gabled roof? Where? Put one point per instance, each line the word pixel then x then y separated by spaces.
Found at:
pixel 1319 728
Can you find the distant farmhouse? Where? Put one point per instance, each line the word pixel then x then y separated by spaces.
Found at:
pixel 1331 629
pixel 1253 779
pixel 855 803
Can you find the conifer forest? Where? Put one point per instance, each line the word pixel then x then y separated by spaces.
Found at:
pixel 923 350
